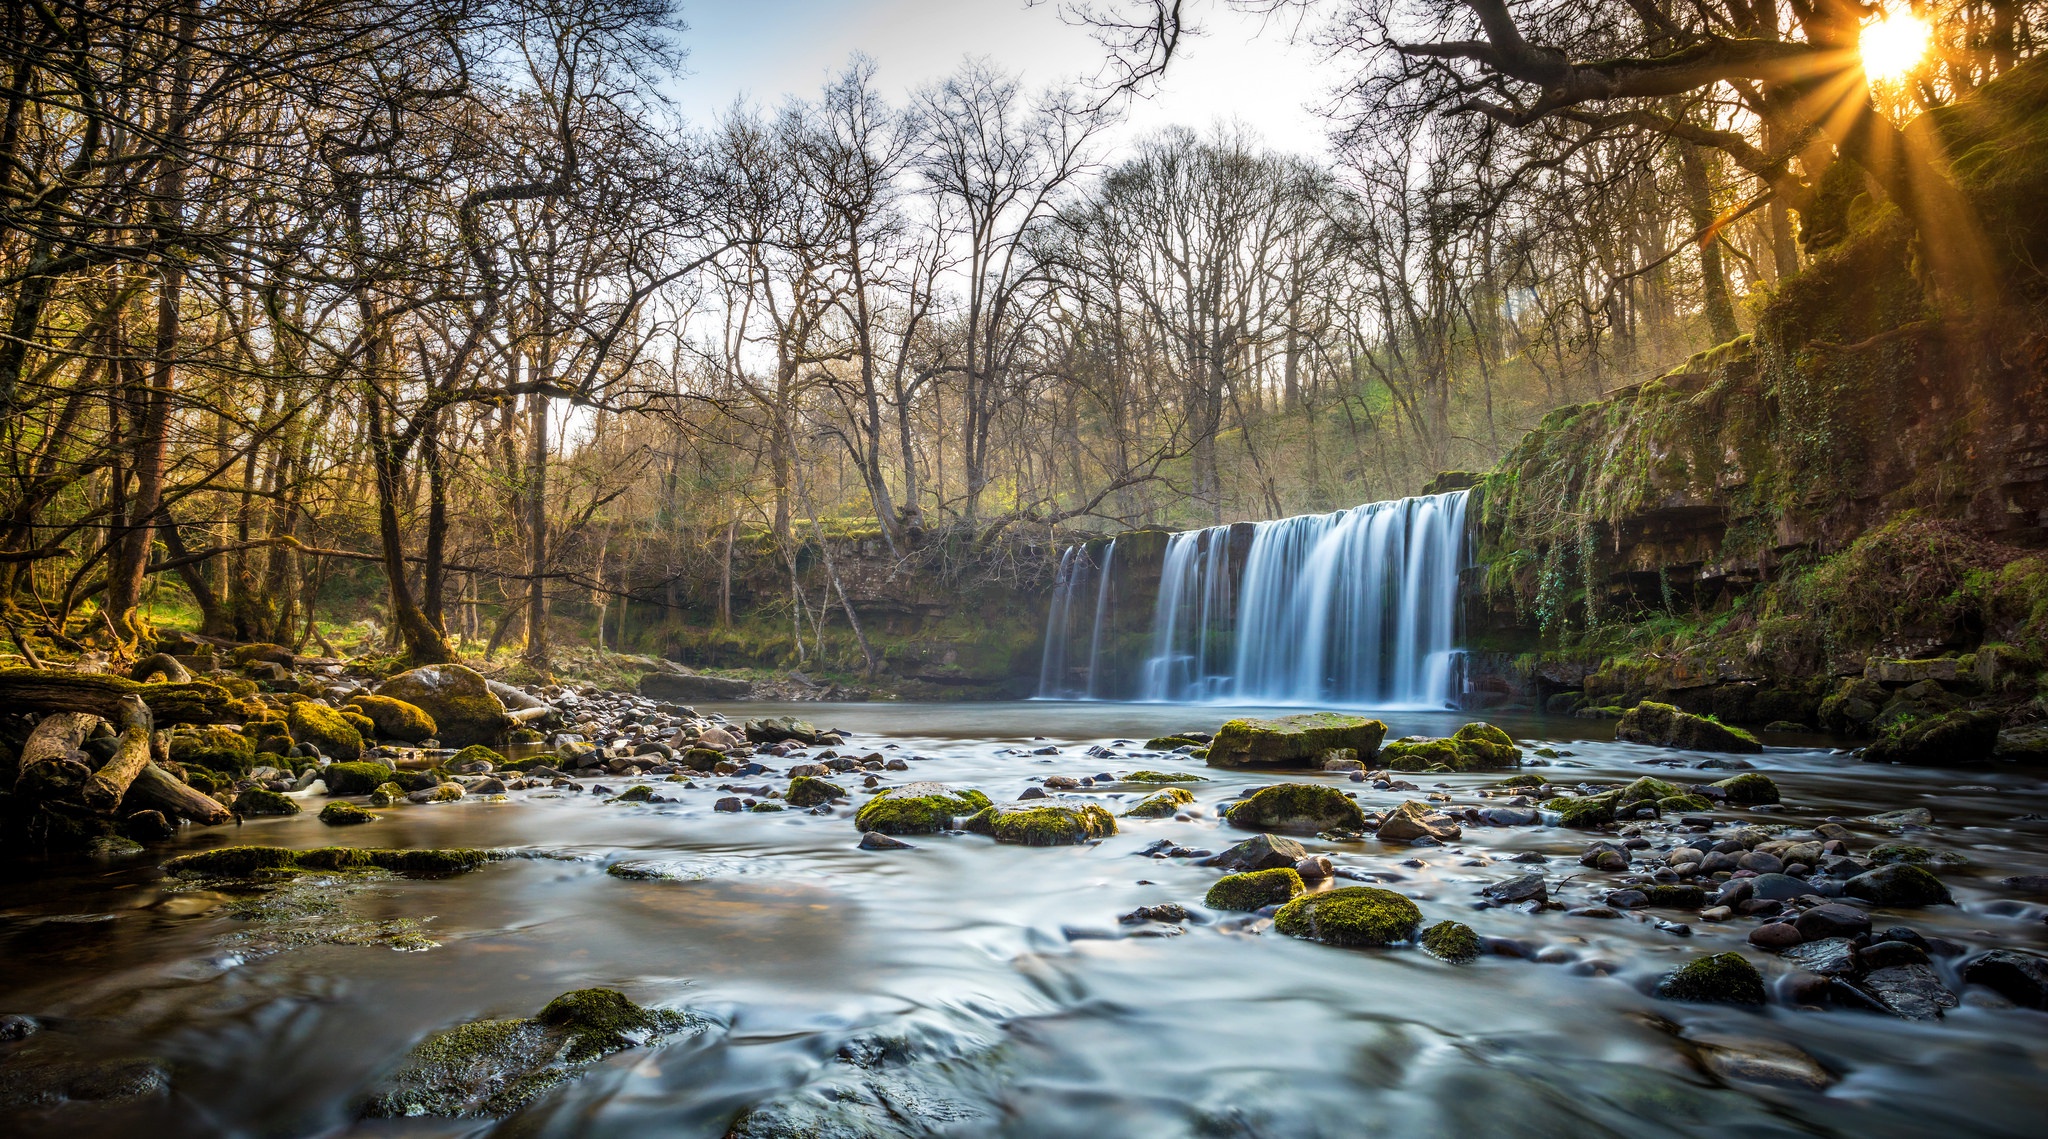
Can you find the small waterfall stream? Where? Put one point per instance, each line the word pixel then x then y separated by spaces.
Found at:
pixel 1078 573
pixel 1356 607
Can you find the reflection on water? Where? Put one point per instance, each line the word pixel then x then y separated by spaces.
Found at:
pixel 967 988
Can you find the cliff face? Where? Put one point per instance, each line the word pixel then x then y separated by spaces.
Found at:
pixel 1710 529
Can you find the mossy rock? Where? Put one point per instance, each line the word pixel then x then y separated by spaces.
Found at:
pixel 1354 916
pixel 1527 780
pixel 1674 897
pixel 1163 777
pixel 1255 890
pixel 1160 805
pixel 324 728
pixel 354 778
pixel 477 753
pixel 1900 853
pixel 364 726
pixel 464 709
pixel 1583 812
pixel 810 791
pixel 205 781
pixel 1941 740
pixel 1297 808
pixel 1662 725
pixel 1684 804
pixel 1420 755
pixel 1900 885
pixel 345 815
pixel 1169 743
pixel 1724 978
pixel 637 793
pixel 1486 748
pixel 701 759
pixel 1451 941
pixel 395 719
pixel 1293 741
pixel 918 808
pixel 225 750
pixel 387 794
pixel 524 736
pixel 243 861
pixel 1749 789
pixel 1043 824
pixel 258 801
pixel 1648 790
pixel 492 1068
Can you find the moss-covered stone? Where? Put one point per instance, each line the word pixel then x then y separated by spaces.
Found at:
pixel 1420 755
pixel 1164 777
pixel 1724 978
pixel 1900 884
pixel 1477 746
pixel 1647 790
pixel 1043 824
pixel 1451 941
pixel 316 725
pixel 1293 741
pixel 354 778
pixel 1161 804
pixel 1353 915
pixel 1749 788
pixel 1684 804
pixel 439 793
pixel 365 727
pixel 1674 897
pixel 395 719
pixel 214 748
pixel 257 801
pixel 477 753
pixel 1939 740
pixel 345 815
pixel 701 759
pixel 810 791
pixel 1255 890
pixel 461 704
pixel 242 861
pixel 1662 725
pixel 1297 808
pixel 1169 743
pixel 918 808
pixel 1898 853
pixel 1583 812
pixel 637 793
pixel 387 794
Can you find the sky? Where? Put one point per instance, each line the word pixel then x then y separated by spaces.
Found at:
pixel 1243 68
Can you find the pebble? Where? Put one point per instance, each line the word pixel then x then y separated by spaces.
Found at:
pixel 1775 935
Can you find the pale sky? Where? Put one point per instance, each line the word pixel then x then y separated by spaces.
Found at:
pixel 763 50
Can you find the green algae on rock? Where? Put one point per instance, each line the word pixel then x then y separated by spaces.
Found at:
pixel 1352 916
pixel 1043 824
pixel 1723 978
pixel 809 791
pixel 220 749
pixel 1160 804
pixel 1293 741
pixel 1297 808
pixel 1254 889
pixel 318 726
pixel 1163 777
pixel 258 801
pixel 491 1068
pixel 1749 789
pixel 1478 746
pixel 918 808
pixel 339 814
pixel 1169 743
pixel 1663 725
pixel 1583 812
pixel 477 753
pixel 242 861
pixel 1451 941
pixel 354 778
pixel 1648 790
pixel 637 793
pixel 395 719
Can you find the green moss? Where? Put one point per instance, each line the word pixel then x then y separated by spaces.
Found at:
pixel 1048 825
pixel 242 861
pixel 326 729
pixel 354 778
pixel 1663 725
pixel 1941 739
pixel 215 748
pixel 1486 748
pixel 1164 777
pixel 365 727
pixel 1899 853
pixel 1168 743
pixel 345 814
pixel 1749 789
pixel 637 793
pixel 475 753
pixel 1684 804
pixel 395 719
pixel 701 759
pixel 1451 941
pixel 1528 780
pixel 1724 978
pixel 1254 890
pixel 1297 808
pixel 1293 741
pixel 1900 884
pixel 918 808
pixel 809 791
pixel 1160 805
pixel 457 698
pixel 1420 755
pixel 207 782
pixel 257 801
pixel 524 736
pixel 1583 812
pixel 1648 790
pixel 386 794
pixel 1353 915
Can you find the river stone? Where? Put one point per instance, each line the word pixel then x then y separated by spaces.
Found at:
pixel 876 840
pixel 1663 725
pixel 1830 956
pixel 464 709
pixel 690 687
pixel 1297 808
pixel 1911 992
pixel 2021 978
pixel 1527 888
pixel 1259 852
pixel 1775 935
pixel 1759 1060
pixel 1293 741
pixel 1724 978
pixel 1413 821
pixel 1938 740
pixel 2028 744
pixel 1899 885
pixel 1042 823
pixel 1777 888
pixel 1510 816
pixel 1832 920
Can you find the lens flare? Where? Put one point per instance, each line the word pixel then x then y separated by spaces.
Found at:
pixel 1894 44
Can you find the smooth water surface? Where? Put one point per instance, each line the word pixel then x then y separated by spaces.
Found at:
pixel 1018 1004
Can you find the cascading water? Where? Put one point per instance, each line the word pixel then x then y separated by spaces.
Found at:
pixel 1077 571
pixel 1357 607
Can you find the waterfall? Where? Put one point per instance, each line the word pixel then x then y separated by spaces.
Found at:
pixel 1356 607
pixel 1077 571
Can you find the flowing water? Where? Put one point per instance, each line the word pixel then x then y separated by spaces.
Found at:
pixel 1014 1002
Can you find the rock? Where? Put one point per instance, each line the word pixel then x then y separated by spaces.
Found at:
pixel 318 726
pixel 1413 821
pixel 1899 885
pixel 345 814
pixel 776 729
pixel 1885 954
pixel 1748 789
pixel 1910 817
pixel 1829 957
pixel 491 1068
pixel 1451 941
pixel 1314 868
pixel 1297 808
pixel 1775 936
pixel 2024 745
pixel 1832 920
pixel 1159 805
pixel 354 778
pixel 1724 978
pixel 439 793
pixel 1042 824
pixel 1583 812
pixel 1293 741
pixel 147 826
pixel 243 861
pixel 215 748
pixel 2034 884
pixel 808 791
pixel 1758 1060
pixel 1527 888
pixel 1254 890
pixel 730 804
pixel 395 719
pixel 1475 747
pixel 921 808
pixel 1605 856
pixel 876 840
pixel 464 709
pixel 1510 816
pixel 1939 740
pixel 2021 978
pixel 1912 992
pixel 690 687
pixel 1164 912
pixel 1350 916
pixel 1662 725
pixel 29 1083
pixel 1259 852
pixel 257 801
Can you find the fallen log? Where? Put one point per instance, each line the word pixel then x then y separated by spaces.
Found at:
pixel 107 786
pixel 155 789
pixel 161 664
pixel 192 702
pixel 54 738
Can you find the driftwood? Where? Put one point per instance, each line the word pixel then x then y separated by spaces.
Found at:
pixel 103 792
pixel 155 789
pixel 54 738
pixel 161 664
pixel 193 702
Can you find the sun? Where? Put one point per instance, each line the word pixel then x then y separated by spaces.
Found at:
pixel 1893 45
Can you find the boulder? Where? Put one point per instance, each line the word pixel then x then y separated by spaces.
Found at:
pixel 1043 823
pixel 2023 745
pixel 1293 741
pixel 464 709
pixel 1451 941
pixel 1724 978
pixel 1939 740
pixel 1475 747
pixel 1412 820
pixel 1911 992
pixel 1259 852
pixel 1297 808
pixel 686 688
pixel 395 719
pixel 1352 916
pixel 809 791
pixel 320 727
pixel 919 808
pixel 1662 725
pixel 1903 884
pixel 1160 805
pixel 1254 890
pixel 2021 978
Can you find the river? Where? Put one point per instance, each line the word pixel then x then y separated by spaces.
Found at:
pixel 1010 999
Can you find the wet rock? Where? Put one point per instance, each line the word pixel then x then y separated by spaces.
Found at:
pixel 1910 817
pixel 1510 816
pixel 258 801
pixel 876 840
pixel 1747 790
pixel 1900 885
pixel 1293 741
pixel 2021 978
pixel 2028 744
pixel 1259 852
pixel 1049 824
pixel 1829 956
pixel 1298 808
pixel 1942 739
pixel 1724 978
pixel 1350 916
pixel 345 814
pixel 809 791
pixel 1413 822
pixel 1760 863
pixel 439 793
pixel 1757 1060
pixel 1832 920
pixel 1161 804
pixel 14 1026
pixel 147 826
pixel 1628 899
pixel 1885 954
pixel 1254 890
pixel 1662 725
pixel 1912 992
pixel 1527 888
pixel 1777 888
pixel 38 1082
pixel 730 804
pixel 1604 856
pixel 1314 868
pixel 1163 912
pixel 464 709
pixel 921 808
pixel 1775 936
pixel 1451 941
